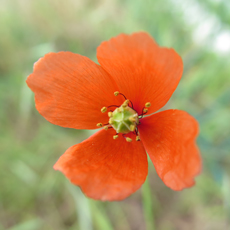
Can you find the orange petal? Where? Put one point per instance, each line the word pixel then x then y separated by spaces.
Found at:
pixel 70 90
pixel 143 71
pixel 169 138
pixel 104 168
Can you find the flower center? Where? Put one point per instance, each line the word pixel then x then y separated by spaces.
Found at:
pixel 124 119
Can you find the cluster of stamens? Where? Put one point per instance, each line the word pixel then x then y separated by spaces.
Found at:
pixel 124 119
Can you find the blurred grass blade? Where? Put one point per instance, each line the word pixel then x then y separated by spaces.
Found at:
pixel 82 208
pixel 148 206
pixel 100 217
pixel 35 224
pixel 226 192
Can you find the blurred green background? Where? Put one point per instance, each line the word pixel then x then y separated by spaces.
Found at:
pixel 32 195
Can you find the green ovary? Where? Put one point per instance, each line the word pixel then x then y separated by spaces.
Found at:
pixel 124 119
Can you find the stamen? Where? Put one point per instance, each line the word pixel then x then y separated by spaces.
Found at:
pixel 128 139
pixel 110 114
pixel 138 138
pixel 103 110
pixel 148 104
pixel 113 106
pixel 132 119
pixel 131 104
pixel 116 93
pixel 132 127
pixel 99 124
pixel 136 131
pixel 124 119
pixel 123 95
pixel 118 110
pixel 115 137
pixel 125 104
pixel 145 110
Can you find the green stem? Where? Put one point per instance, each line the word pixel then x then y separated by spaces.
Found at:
pixel 148 206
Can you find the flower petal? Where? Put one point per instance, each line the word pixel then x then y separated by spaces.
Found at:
pixel 70 90
pixel 143 71
pixel 104 168
pixel 169 138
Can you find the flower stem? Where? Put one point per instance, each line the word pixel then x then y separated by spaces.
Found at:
pixel 148 206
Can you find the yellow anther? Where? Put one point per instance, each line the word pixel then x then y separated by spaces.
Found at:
pixel 110 121
pixel 126 102
pixel 116 93
pixel 145 110
pixel 135 115
pixel 138 138
pixel 110 114
pixel 128 139
pixel 106 127
pixel 132 127
pixel 132 119
pixel 99 124
pixel 115 137
pixel 103 110
pixel 118 110
pixel 148 104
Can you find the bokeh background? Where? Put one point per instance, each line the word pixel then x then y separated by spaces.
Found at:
pixel 32 195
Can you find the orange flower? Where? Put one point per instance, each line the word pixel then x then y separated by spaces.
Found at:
pixel 72 91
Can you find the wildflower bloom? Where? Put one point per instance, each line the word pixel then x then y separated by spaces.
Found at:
pixel 135 78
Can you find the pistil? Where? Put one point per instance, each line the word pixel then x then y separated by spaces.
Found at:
pixel 124 119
